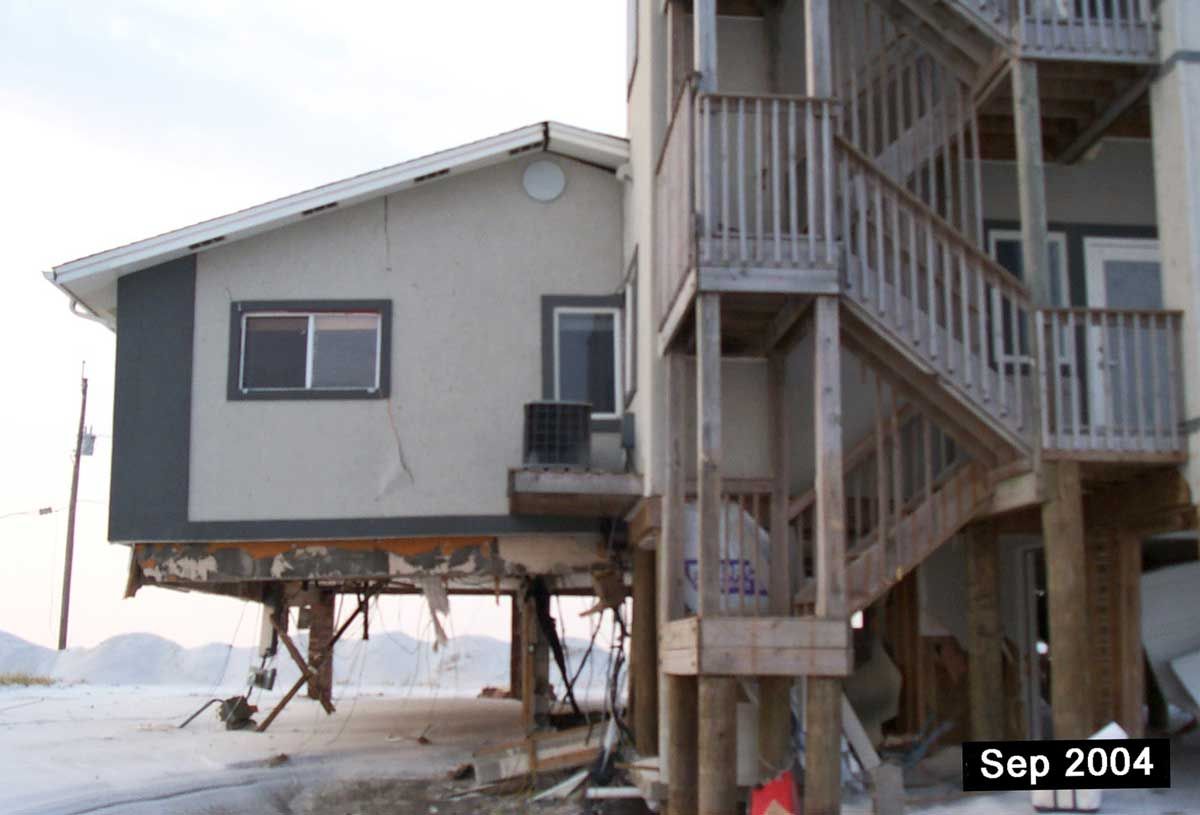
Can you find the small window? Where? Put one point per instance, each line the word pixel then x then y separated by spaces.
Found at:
pixel 586 358
pixel 327 351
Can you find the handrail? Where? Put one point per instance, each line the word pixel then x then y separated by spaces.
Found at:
pixel 688 85
pixel 989 264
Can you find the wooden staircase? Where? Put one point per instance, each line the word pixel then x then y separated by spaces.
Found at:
pixel 909 490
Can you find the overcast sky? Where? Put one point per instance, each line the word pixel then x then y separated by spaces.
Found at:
pixel 124 119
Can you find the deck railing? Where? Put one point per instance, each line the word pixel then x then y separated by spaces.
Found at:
pixel 674 204
pixel 1088 29
pixel 764 195
pixel 936 292
pixel 1111 381
pixel 745 182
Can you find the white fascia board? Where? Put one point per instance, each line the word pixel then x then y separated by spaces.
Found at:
pixel 588 145
pixel 286 210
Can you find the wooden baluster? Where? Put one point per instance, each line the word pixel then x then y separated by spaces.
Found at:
pixel 827 175
pixel 864 271
pixel 1152 348
pixel 981 327
pixel 725 213
pixel 1014 318
pixel 1094 366
pixel 1056 330
pixel 793 161
pixel 948 308
pixel 760 236
pixel 1135 382
pixel 880 272
pixel 1043 382
pixel 1119 425
pixel 1174 379
pixel 964 306
pixel 1000 350
pixel 1076 404
pixel 898 311
pixel 843 167
pixel 931 292
pixel 914 294
pixel 897 477
pixel 880 466
pixel 737 584
pixel 810 153
pixel 775 183
pixel 740 178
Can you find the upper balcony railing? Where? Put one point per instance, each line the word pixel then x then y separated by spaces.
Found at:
pixel 745 182
pixel 1112 385
pixel 1121 30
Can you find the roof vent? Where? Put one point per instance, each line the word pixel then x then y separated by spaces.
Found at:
pixel 558 435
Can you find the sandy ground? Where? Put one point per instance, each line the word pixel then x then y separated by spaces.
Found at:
pixel 82 749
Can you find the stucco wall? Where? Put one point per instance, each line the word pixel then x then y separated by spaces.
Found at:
pixel 465 262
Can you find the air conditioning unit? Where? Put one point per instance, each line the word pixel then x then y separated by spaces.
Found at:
pixel 558 435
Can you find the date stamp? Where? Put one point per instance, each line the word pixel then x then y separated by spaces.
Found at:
pixel 1063 764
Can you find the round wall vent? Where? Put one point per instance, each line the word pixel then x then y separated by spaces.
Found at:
pixel 544 181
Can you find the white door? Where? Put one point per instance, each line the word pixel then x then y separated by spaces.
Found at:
pixel 1125 273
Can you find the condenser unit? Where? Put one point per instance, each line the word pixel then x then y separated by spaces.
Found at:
pixel 558 435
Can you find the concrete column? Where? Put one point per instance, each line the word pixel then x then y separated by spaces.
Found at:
pixel 535 668
pixel 1175 107
pixel 320 632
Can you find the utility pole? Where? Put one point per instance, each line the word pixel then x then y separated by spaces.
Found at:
pixel 66 587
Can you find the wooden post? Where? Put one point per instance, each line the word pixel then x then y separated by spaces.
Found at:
pixel 717 695
pixel 320 632
pixel 704 48
pixel 1130 674
pixel 535 668
pixel 985 675
pixel 774 692
pixel 677 705
pixel 515 649
pixel 823 702
pixel 645 654
pixel 1066 584
pixel 1031 180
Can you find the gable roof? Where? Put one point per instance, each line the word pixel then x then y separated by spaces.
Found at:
pixel 86 278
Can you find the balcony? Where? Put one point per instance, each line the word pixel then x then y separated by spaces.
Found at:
pixel 745 204
pixel 1090 30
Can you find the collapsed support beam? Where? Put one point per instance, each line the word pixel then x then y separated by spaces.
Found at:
pixel 677 731
pixel 717 695
pixel 823 696
pixel 644 666
pixel 320 632
pixel 985 675
pixel 1066 584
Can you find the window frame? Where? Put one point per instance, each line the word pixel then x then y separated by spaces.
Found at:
pixel 241 311
pixel 618 379
pixel 630 338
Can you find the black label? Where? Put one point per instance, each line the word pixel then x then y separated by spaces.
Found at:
pixel 1062 764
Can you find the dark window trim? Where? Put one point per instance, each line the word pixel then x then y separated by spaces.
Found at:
pixel 630 328
pixel 238 308
pixel 550 302
pixel 1075 232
